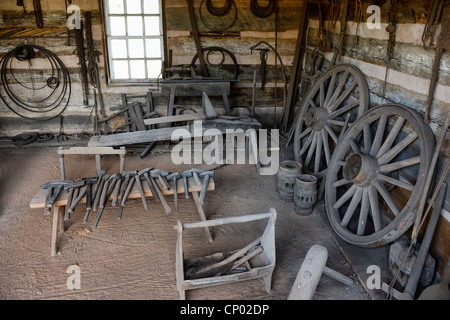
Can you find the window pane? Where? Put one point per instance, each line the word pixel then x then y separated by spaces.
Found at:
pixel 115 6
pixel 152 26
pixel 119 49
pixel 137 69
pixel 120 69
pixel 117 26
pixel 134 7
pixel 153 48
pixel 154 68
pixel 136 48
pixel 135 26
pixel 151 6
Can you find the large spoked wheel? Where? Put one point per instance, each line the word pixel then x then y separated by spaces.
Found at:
pixel 381 160
pixel 337 99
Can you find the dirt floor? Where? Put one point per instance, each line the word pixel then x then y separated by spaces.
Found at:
pixel 134 258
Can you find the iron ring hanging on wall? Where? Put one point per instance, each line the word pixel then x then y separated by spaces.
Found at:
pixel 263 12
pixel 24 52
pixel 218 12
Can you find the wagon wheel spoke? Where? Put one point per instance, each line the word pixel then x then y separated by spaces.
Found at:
pixel 307 143
pixel 350 192
pixel 352 207
pixel 312 147
pixel 342 97
pixel 391 137
pixel 326 147
pixel 391 154
pixel 331 133
pixel 341 182
pixel 399 165
pixel 330 88
pixel 381 188
pixel 378 139
pixel 401 184
pixel 318 155
pixel 364 212
pixel 338 89
pixel 367 138
pixel 374 208
pixel 342 110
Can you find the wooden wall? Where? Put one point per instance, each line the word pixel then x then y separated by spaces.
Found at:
pixel 407 82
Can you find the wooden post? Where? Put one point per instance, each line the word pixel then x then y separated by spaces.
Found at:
pixel 201 58
pixel 296 68
pixel 57 227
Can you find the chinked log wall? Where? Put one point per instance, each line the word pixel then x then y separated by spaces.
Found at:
pixel 408 80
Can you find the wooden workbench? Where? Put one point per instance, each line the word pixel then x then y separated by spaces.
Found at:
pixel 58 209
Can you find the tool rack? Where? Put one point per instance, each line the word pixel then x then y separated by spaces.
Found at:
pixel 58 208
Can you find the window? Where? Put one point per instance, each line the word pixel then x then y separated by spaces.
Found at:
pixel 134 39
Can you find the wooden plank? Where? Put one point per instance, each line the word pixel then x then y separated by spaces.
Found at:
pixel 38 200
pixel 165 134
pixel 192 88
pixel 177 118
pixel 92 150
pixel 201 58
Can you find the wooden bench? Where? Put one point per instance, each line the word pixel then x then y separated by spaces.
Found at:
pixel 59 206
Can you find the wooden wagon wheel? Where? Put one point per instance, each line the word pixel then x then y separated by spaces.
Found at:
pixel 335 101
pixel 382 158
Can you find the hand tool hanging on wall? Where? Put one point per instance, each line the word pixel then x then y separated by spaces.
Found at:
pixel 196 38
pixel 25 15
pixel 38 14
pixel 277 59
pixel 343 10
pixel 434 14
pixel 79 39
pixel 263 57
pixel 442 44
pixel 324 43
pixel 92 67
pixel 391 28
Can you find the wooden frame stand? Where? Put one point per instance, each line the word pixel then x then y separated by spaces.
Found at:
pixel 259 265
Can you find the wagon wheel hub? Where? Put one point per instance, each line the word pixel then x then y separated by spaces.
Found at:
pixel 316 118
pixel 360 169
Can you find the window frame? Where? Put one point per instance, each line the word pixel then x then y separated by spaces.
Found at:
pixel 107 43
